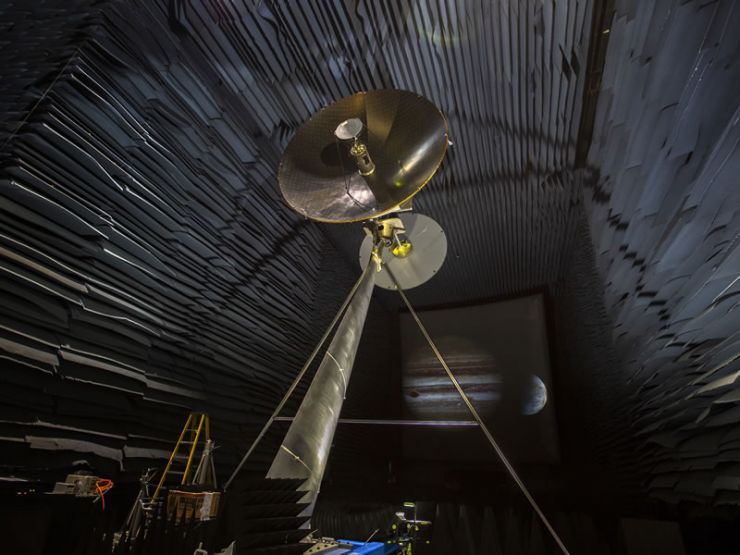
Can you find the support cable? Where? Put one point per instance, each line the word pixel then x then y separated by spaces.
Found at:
pixel 298 378
pixel 477 417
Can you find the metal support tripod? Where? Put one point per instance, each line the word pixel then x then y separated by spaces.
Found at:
pixel 471 408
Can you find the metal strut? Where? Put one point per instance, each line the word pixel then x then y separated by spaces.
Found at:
pixel 477 417
pixel 305 449
pixel 297 379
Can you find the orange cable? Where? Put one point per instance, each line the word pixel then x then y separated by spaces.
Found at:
pixel 102 486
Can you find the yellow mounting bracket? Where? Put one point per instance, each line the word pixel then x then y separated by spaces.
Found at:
pixel 390 233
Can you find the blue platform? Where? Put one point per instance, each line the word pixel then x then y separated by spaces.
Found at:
pixel 371 548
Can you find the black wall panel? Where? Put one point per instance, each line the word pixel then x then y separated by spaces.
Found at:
pixel 664 217
pixel 147 263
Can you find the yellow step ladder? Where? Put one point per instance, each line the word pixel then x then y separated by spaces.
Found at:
pixel 197 426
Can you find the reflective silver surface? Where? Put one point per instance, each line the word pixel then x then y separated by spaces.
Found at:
pixel 348 129
pixel 384 422
pixel 406 137
pixel 305 449
pixel 298 378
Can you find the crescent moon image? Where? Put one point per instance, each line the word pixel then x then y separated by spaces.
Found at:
pixel 536 396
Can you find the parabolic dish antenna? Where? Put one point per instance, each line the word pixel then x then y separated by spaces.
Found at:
pixel 363 156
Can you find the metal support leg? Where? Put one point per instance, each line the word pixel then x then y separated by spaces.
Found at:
pixel 305 449
pixel 478 419
pixel 297 379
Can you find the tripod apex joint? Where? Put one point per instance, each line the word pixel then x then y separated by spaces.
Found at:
pixel 415 247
